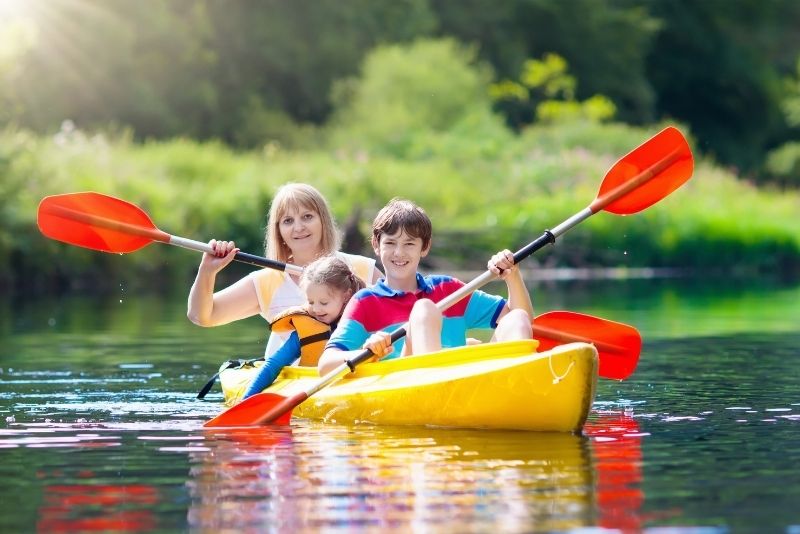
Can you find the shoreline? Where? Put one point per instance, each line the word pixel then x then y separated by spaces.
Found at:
pixel 544 274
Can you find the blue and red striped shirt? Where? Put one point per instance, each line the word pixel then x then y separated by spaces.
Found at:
pixel 382 308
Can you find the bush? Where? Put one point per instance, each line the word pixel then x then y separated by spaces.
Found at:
pixel 783 165
pixel 409 95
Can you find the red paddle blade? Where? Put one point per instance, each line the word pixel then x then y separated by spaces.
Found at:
pixel 646 175
pixel 618 345
pixel 251 411
pixel 97 221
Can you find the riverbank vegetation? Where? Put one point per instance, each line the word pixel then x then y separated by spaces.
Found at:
pixel 418 120
pixel 481 200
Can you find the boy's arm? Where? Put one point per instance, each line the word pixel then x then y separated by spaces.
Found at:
pixel 502 264
pixel 379 343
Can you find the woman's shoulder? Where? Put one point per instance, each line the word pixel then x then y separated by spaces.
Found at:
pixel 355 258
pixel 267 275
pixel 362 266
pixel 269 282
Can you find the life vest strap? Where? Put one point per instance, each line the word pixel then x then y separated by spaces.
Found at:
pixel 230 364
pixel 321 336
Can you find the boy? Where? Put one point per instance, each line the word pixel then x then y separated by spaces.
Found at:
pixel 401 237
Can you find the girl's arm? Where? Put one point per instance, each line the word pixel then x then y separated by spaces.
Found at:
pixel 284 356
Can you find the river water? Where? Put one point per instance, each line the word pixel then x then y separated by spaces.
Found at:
pixel 101 431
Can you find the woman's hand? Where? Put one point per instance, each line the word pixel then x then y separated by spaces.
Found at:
pixel 224 252
pixel 502 264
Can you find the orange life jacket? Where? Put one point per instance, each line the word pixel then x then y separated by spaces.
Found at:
pixel 313 333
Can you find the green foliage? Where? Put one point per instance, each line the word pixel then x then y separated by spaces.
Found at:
pixel 733 56
pixel 605 42
pixel 483 198
pixel 547 92
pixel 408 96
pixel 783 165
pixel 254 73
pixel 791 102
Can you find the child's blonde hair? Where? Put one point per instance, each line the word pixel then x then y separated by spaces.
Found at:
pixel 295 197
pixel 334 272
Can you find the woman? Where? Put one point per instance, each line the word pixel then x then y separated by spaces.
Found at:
pixel 300 229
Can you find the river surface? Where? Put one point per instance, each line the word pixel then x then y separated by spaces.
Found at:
pixel 101 431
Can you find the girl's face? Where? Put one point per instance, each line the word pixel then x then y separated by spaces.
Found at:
pixel 325 303
pixel 301 230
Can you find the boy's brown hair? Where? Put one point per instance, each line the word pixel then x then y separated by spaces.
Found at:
pixel 402 214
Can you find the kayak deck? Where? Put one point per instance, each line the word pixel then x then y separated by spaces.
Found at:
pixel 494 385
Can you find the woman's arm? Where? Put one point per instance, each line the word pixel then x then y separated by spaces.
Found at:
pixel 206 308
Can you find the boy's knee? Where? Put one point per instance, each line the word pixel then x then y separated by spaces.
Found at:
pixel 425 310
pixel 517 323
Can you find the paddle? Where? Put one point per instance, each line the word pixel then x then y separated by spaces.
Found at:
pixel 618 346
pixel 101 222
pixel 640 179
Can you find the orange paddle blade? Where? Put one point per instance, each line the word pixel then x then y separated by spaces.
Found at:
pixel 97 221
pixel 646 175
pixel 618 344
pixel 251 411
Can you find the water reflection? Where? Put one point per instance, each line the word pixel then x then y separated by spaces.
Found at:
pixel 102 432
pixel 97 508
pixel 312 476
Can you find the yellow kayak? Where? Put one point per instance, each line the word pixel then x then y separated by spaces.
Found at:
pixel 493 385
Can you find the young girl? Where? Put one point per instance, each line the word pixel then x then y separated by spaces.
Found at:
pixel 300 230
pixel 328 284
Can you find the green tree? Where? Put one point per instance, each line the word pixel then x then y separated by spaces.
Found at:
pixel 547 91
pixel 783 163
pixel 605 43
pixel 408 92
pixel 717 65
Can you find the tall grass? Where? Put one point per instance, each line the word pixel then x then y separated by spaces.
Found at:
pixel 482 192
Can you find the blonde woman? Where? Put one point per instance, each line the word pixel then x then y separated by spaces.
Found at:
pixel 300 229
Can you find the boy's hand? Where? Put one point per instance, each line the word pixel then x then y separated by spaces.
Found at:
pixel 502 264
pixel 380 344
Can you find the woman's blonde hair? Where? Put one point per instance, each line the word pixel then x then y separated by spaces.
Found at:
pixel 334 272
pixel 295 197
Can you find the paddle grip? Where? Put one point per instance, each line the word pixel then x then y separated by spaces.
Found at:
pixel 367 354
pixel 260 261
pixel 545 239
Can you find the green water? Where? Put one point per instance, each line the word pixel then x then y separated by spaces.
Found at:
pixel 100 430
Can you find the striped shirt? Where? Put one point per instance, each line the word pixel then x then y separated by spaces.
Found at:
pixel 382 308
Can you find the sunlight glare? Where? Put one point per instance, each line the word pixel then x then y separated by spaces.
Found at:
pixel 13 8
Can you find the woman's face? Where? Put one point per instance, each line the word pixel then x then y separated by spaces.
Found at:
pixel 301 230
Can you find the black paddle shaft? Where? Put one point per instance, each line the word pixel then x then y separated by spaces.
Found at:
pixel 259 261
pixel 547 238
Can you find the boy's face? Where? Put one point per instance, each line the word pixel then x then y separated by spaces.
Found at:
pixel 399 253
